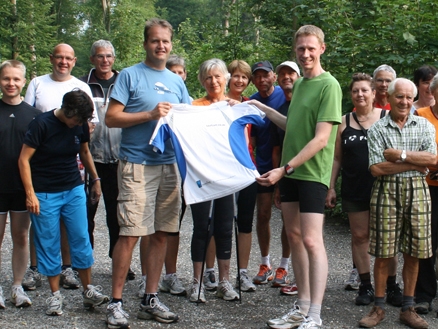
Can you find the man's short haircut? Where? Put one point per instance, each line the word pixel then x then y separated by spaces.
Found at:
pixel 102 44
pixel 386 68
pixel 361 77
pixel 77 103
pixel 240 65
pixel 391 87
pixel 174 60
pixel 425 73
pixel 15 64
pixel 210 64
pixel 307 30
pixel 434 83
pixel 157 22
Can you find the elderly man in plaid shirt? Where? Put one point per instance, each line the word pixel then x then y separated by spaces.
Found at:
pixel 401 146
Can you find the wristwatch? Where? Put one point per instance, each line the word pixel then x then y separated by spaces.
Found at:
pixel 288 169
pixel 403 155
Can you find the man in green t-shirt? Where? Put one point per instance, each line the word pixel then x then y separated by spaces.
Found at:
pixel 304 174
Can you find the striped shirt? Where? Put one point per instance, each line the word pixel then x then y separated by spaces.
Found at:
pixel 418 134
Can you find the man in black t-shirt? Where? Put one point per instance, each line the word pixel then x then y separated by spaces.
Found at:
pixel 15 116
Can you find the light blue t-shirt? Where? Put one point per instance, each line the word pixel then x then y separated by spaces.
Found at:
pixel 140 88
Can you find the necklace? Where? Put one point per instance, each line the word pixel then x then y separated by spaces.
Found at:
pixel 367 116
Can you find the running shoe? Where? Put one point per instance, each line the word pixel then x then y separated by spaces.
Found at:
pixel 210 282
pixel 19 297
pixel 353 281
pixel 281 278
pixel 226 292
pixel 92 296
pixel 31 280
pixel 116 317
pixel 173 285
pixel 265 274
pixel 245 283
pixel 289 290
pixel 69 279
pixel 156 311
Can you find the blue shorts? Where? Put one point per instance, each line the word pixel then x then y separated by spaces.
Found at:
pixel 71 207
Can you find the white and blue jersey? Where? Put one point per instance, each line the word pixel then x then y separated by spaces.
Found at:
pixel 210 147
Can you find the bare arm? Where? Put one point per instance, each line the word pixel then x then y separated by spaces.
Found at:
pixel 32 203
pixel 391 168
pixel 419 158
pixel 116 117
pixel 330 200
pixel 322 134
pixel 87 161
pixel 273 115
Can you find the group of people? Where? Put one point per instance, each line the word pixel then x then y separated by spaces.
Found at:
pixel 108 119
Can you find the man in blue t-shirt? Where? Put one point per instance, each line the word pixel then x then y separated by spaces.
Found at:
pixel 263 77
pixel 149 185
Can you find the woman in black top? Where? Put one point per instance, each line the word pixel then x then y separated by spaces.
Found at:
pixel 351 154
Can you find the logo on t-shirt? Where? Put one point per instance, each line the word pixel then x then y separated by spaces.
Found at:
pixel 161 89
pixel 77 141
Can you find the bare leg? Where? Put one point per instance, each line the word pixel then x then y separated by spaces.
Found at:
pixel 381 269
pixel 144 243
pixel 244 240
pixel 20 222
pixel 85 277
pixel 211 253
pixel 172 253
pixel 410 273
pixel 264 205
pixel 311 229
pixel 53 283
pixel 300 259
pixel 122 255
pixel 224 269
pixel 359 226
pixel 155 255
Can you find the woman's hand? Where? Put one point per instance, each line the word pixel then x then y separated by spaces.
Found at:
pixel 33 204
pixel 95 192
pixel 330 199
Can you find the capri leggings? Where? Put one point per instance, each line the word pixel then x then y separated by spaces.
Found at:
pixel 221 227
pixel 246 200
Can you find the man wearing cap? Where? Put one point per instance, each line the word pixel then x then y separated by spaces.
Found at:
pixel 287 72
pixel 263 77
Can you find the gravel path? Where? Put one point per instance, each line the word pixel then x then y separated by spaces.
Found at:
pixel 338 309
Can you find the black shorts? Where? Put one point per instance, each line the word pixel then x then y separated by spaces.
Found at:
pixel 12 202
pixel 310 195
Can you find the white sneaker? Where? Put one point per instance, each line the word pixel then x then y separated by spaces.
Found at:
pixel 245 283
pixel 141 288
pixel 309 323
pixel 210 282
pixel 353 281
pixel 225 290
pixel 116 317
pixel 19 297
pixel 2 300
pixel 92 296
pixel 292 319
pixel 54 304
pixel 173 285
pixel 194 292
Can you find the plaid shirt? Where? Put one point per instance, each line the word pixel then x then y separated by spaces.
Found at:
pixel 418 134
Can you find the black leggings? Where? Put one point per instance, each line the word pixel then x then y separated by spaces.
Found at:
pixel 221 227
pixel 246 200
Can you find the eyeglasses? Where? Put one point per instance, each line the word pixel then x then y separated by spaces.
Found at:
pixel 101 57
pixel 60 58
